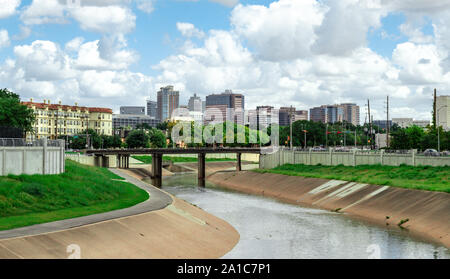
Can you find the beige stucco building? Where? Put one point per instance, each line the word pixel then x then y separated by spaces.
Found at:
pixel 55 120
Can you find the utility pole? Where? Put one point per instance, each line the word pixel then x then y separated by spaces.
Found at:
pixel 290 124
pixel 434 110
pixel 326 136
pixel 372 142
pixel 387 122
pixel 370 123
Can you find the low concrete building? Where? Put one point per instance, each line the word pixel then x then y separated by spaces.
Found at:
pixel 129 121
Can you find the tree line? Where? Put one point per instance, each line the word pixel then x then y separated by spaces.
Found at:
pixel 304 133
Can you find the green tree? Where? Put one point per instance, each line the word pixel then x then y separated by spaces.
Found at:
pixel 162 126
pixel 137 138
pixel 13 113
pixel 157 139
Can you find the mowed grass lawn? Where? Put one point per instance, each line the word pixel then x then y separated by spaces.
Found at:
pixel 148 159
pixel 82 190
pixel 420 177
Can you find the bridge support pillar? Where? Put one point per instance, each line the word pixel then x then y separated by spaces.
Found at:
pixel 201 169
pixel 157 170
pixel 97 161
pixel 127 162
pixel 238 163
pixel 105 161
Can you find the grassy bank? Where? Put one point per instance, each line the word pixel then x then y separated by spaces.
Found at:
pixel 148 159
pixel 421 177
pixel 82 190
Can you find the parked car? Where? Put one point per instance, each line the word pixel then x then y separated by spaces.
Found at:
pixel 445 153
pixel 431 152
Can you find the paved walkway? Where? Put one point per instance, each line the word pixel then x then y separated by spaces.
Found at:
pixel 158 200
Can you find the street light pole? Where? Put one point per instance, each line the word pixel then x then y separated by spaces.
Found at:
pixel 290 124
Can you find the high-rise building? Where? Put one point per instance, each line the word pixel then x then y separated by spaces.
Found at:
pixel 55 120
pixel 218 107
pixel 301 115
pixel 317 114
pixel 351 113
pixel 168 100
pixel 152 109
pixel 132 110
pixel 195 103
pixel 284 113
pixel 327 114
pixel 443 111
pixel 265 115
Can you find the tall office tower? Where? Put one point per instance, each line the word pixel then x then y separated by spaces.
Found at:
pixel 152 109
pixel 350 113
pixel 443 112
pixel 317 114
pixel 218 107
pixel 264 116
pixel 284 115
pixel 132 110
pixel 195 103
pixel 168 100
pixel 327 114
pixel 334 113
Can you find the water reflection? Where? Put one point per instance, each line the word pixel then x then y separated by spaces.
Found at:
pixel 270 229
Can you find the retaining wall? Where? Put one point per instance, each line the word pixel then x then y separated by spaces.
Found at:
pixel 32 160
pixel 355 158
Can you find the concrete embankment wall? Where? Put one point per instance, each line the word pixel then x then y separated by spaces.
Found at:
pixel 355 158
pixel 31 160
pixel 181 230
pixel 428 212
pixel 90 160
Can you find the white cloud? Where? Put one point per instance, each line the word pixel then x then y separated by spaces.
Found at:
pixel 111 19
pixel 43 70
pixel 95 15
pixel 43 11
pixel 419 64
pixel 4 38
pixel 188 30
pixel 145 5
pixel 305 53
pixel 74 44
pixel 346 24
pixel 8 7
pixel 284 30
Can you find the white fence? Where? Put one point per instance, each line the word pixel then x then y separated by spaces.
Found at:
pixel 354 158
pixel 40 157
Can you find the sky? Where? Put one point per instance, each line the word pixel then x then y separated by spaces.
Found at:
pixel 305 53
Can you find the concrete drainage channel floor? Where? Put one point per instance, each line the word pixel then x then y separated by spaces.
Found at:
pixel 158 200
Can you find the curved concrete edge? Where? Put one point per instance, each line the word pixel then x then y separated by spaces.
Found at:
pixel 179 230
pixel 428 213
pixel 158 200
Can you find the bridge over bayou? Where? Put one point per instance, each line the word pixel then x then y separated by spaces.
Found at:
pixel 123 158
